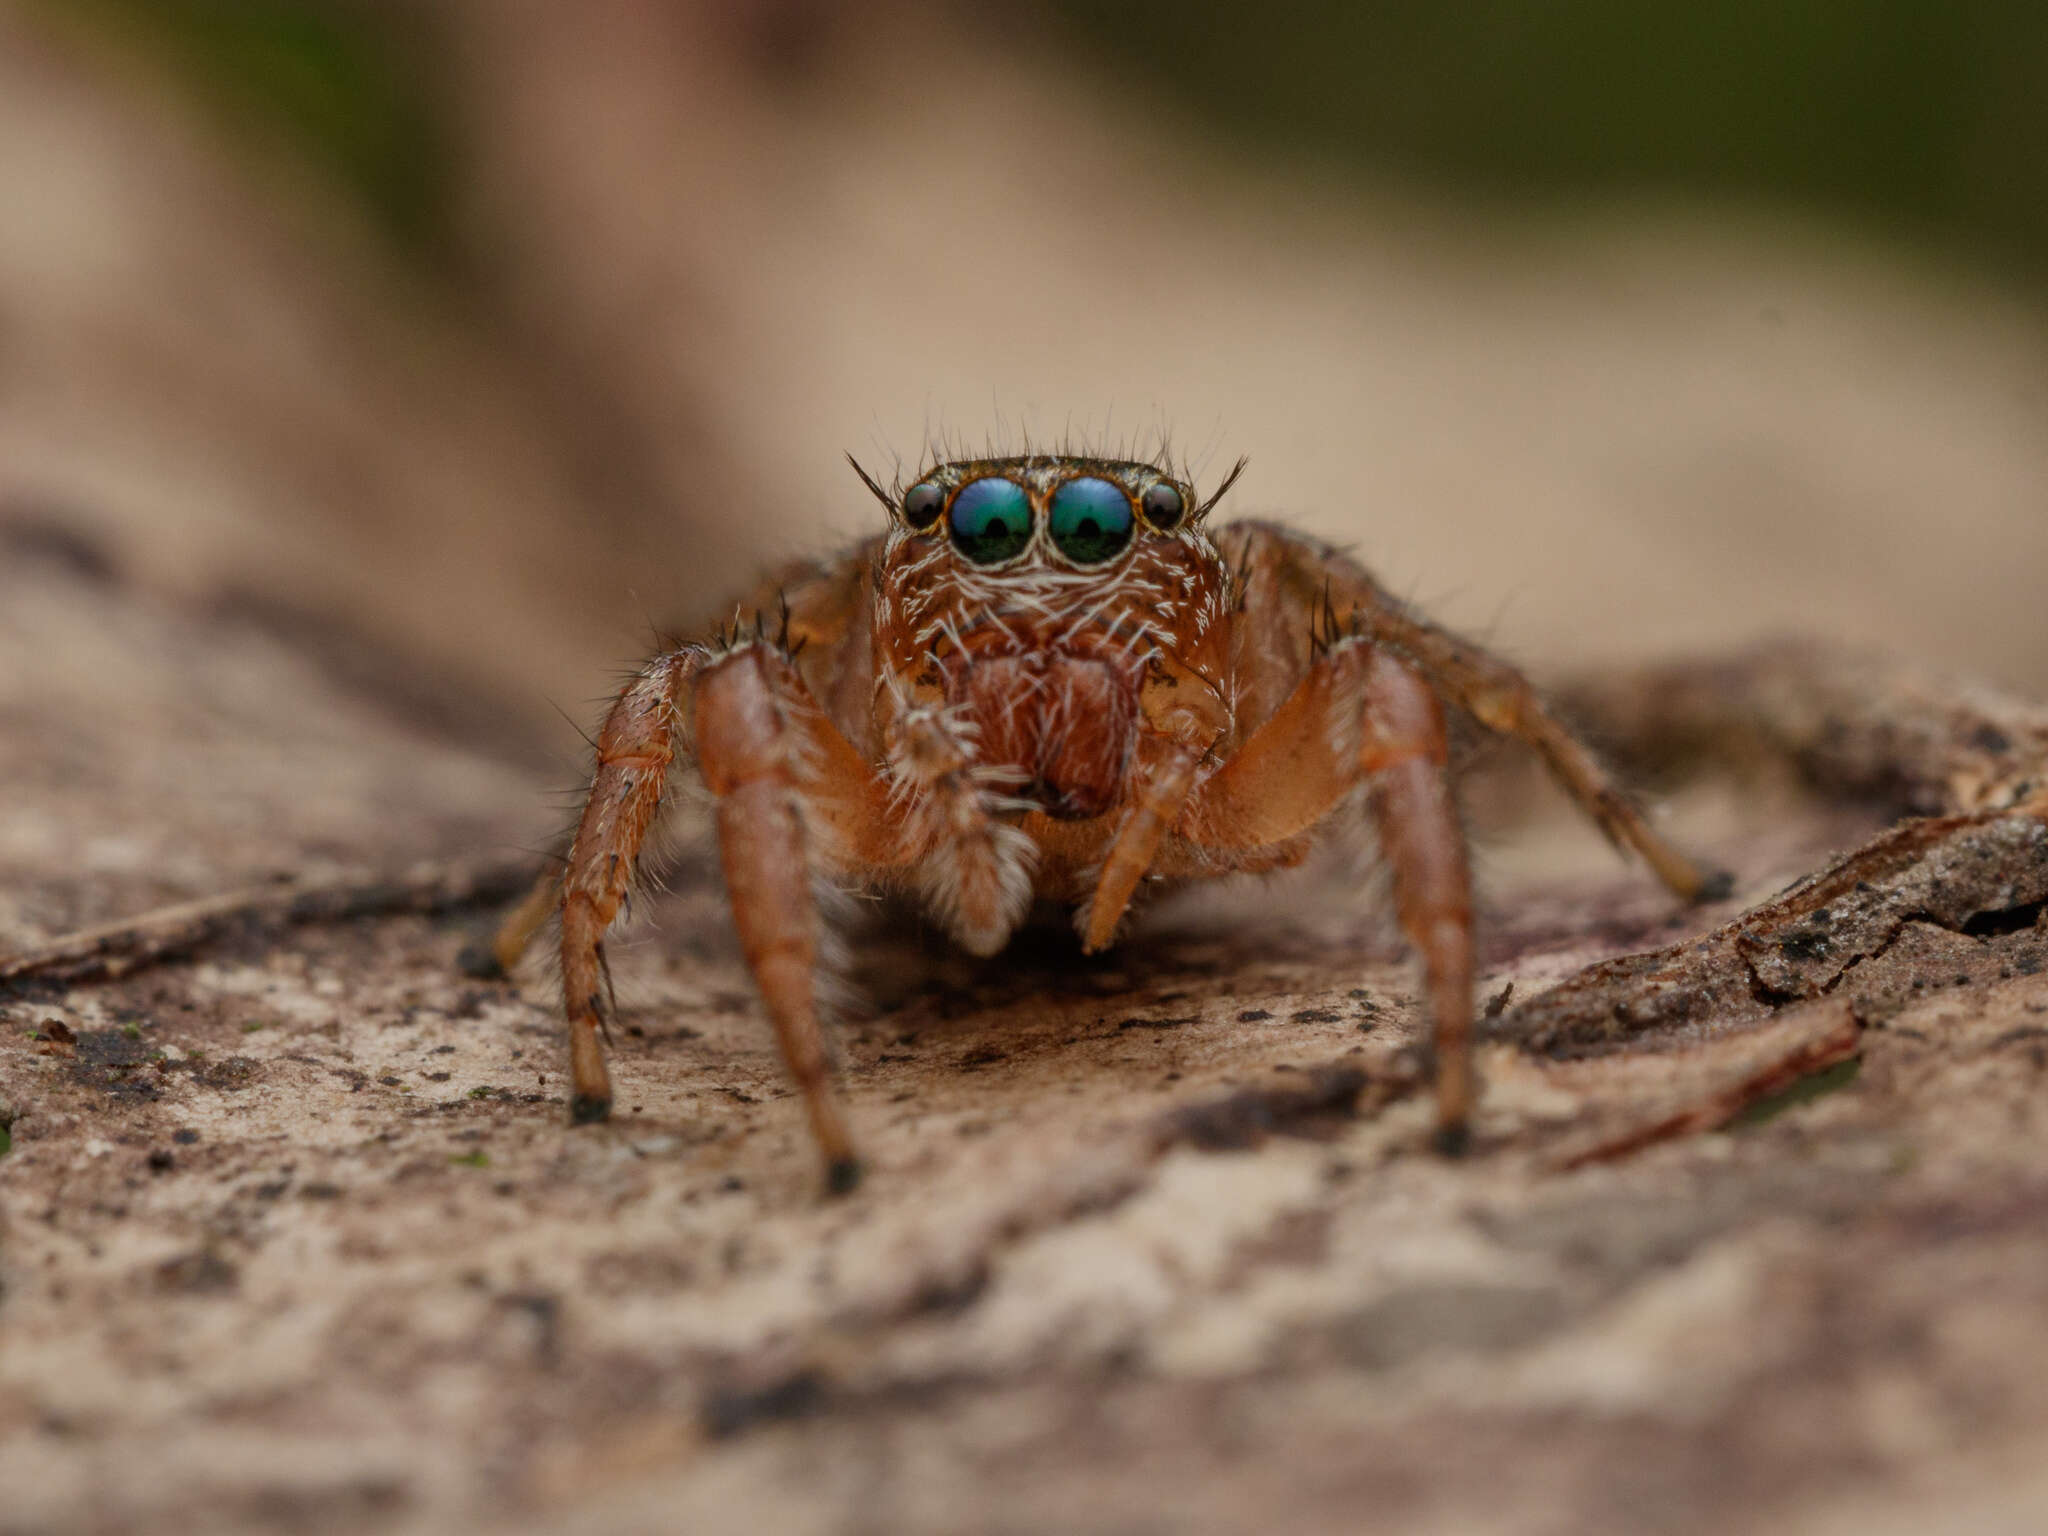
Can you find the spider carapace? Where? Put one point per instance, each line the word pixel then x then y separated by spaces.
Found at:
pixel 1049 679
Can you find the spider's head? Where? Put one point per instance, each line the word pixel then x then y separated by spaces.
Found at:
pixel 1061 606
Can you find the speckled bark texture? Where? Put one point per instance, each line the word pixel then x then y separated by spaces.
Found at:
pixel 297 1236
pixel 300 546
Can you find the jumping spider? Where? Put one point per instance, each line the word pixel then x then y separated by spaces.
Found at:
pixel 1048 679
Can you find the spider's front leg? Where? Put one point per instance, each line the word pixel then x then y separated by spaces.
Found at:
pixel 1361 715
pixel 792 795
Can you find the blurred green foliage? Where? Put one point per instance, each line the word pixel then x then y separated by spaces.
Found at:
pixel 1927 118
pixel 336 83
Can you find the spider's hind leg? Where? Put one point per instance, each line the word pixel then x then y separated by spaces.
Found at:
pixel 1305 576
pixel 519 927
pixel 639 742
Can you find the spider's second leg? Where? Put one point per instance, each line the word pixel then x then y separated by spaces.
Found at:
pixel 1361 715
pixel 791 792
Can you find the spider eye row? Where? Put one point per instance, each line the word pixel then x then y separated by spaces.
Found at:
pixel 1091 520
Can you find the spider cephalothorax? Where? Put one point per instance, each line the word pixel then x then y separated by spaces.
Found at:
pixel 1048 679
pixel 1051 603
pixel 1048 622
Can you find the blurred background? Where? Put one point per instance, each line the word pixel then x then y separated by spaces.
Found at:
pixel 480 335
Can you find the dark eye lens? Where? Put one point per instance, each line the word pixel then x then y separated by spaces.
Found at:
pixel 921 505
pixel 991 520
pixel 1091 520
pixel 1163 505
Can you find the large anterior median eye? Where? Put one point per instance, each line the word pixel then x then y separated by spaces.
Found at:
pixel 1090 520
pixel 991 520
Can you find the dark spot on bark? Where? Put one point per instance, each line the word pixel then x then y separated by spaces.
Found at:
pixel 2005 920
pixel 1244 1119
pixel 2015 1036
pixel 46 535
pixel 199 1273
pixel 728 1411
pixel 1804 944
pixel 1253 1016
pixel 229 1076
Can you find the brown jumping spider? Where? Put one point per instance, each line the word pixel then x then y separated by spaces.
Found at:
pixel 1048 679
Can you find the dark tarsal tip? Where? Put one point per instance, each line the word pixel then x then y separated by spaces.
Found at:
pixel 1715 885
pixel 478 961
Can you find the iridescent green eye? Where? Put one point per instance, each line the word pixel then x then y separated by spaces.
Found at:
pixel 921 505
pixel 1163 505
pixel 991 520
pixel 1091 520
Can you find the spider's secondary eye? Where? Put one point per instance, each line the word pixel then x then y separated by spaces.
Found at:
pixel 991 520
pixel 921 504
pixel 1091 520
pixel 1163 505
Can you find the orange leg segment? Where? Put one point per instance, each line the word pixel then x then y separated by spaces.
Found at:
pixel 1294 576
pixel 1165 775
pixel 792 793
pixel 1362 715
pixel 1403 756
pixel 635 750
pixel 748 756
